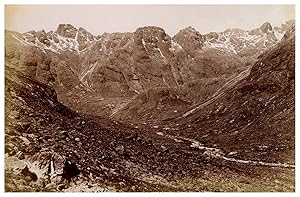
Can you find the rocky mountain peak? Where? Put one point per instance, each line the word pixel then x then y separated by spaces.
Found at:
pixel 152 40
pixel 289 24
pixel 151 34
pixel 150 29
pixel 190 40
pixel 211 36
pixel 81 29
pixel 189 31
pixel 84 32
pixel 66 30
pixel 65 38
pixel 290 31
pixel 234 31
pixel 265 27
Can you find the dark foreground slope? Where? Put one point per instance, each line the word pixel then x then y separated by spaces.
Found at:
pixel 49 147
pixel 40 130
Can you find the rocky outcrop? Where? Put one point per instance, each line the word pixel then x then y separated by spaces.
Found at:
pixel 66 30
pixel 266 27
pixel 190 40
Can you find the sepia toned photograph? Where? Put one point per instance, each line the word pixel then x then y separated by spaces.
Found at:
pixel 149 98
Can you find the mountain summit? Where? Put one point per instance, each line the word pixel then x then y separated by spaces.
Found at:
pixel 66 37
pixel 190 40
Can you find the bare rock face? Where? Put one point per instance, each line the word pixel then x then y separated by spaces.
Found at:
pixel 84 38
pixel 212 36
pixel 30 60
pixel 42 37
pixel 200 80
pixel 153 57
pixel 39 36
pixel 66 30
pixel 288 25
pixel 153 40
pixel 79 38
pixel 122 62
pixel 190 40
pixel 290 30
pixel 266 27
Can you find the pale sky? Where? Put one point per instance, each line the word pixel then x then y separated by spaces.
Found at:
pixel 98 19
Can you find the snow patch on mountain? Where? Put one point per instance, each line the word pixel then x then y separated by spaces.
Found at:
pixel 243 42
pixel 65 38
pixel 175 47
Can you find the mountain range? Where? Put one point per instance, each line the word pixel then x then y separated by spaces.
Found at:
pixel 144 111
pixel 113 68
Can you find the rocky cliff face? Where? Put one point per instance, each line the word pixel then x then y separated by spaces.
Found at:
pixel 190 40
pixel 130 62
